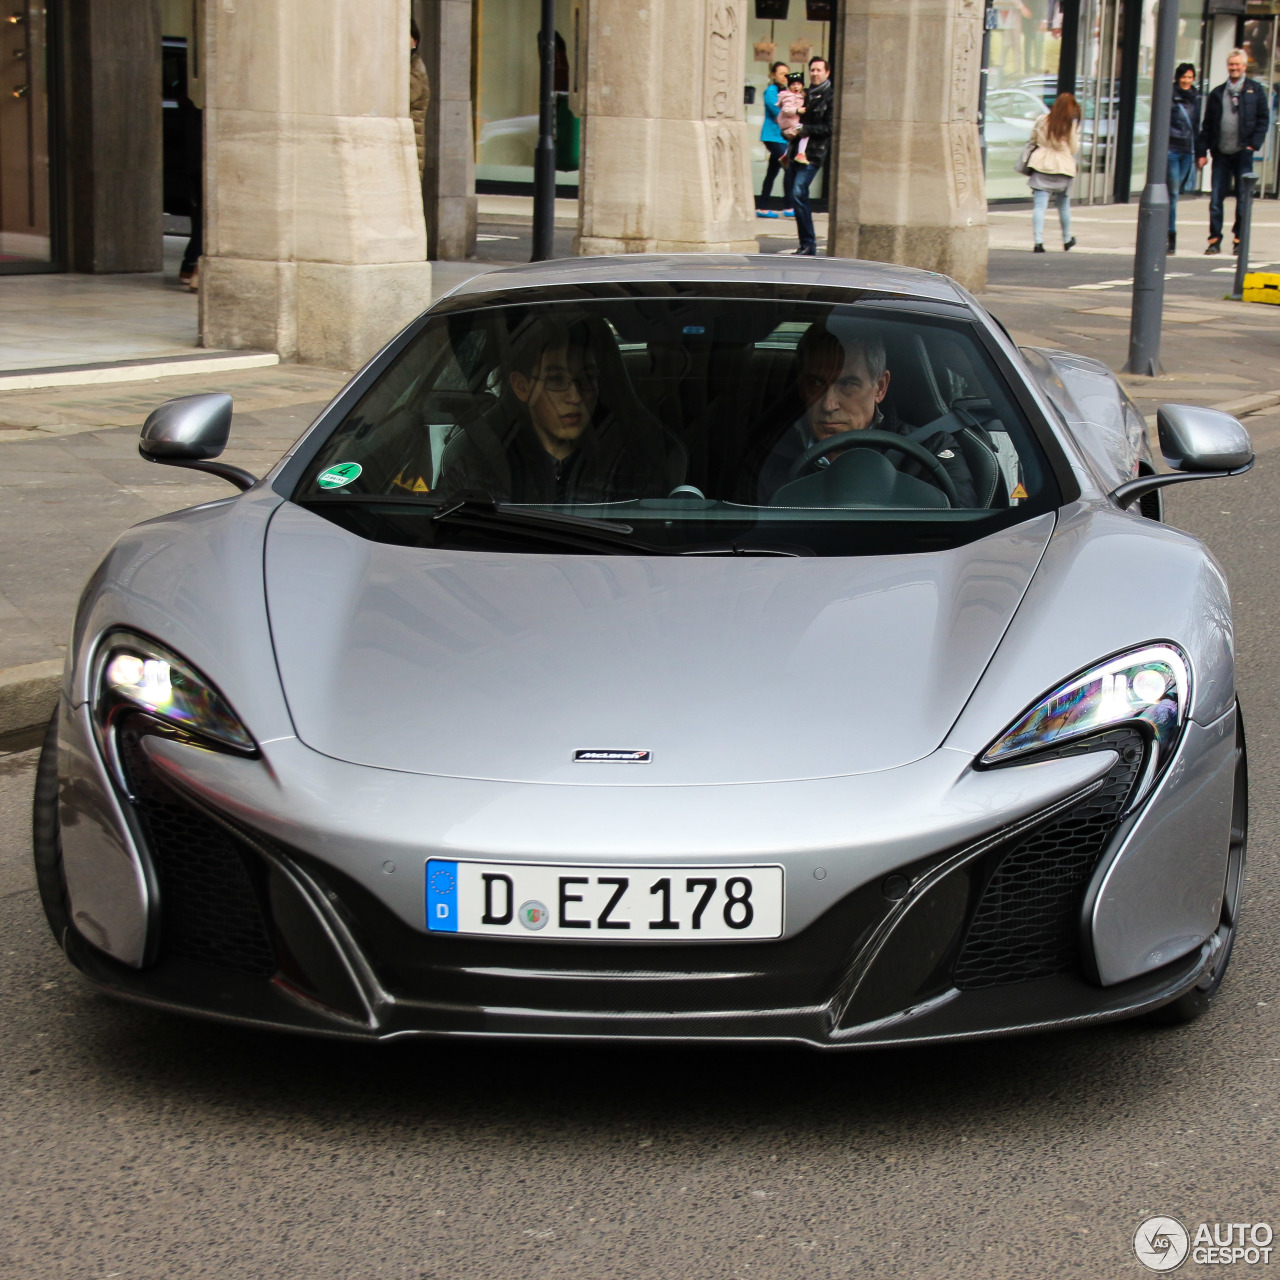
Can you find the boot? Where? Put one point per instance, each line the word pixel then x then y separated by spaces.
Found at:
pixel 1173 242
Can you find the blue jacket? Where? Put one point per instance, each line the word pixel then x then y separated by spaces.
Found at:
pixel 769 131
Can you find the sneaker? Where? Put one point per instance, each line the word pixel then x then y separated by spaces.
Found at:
pixel 1214 246
pixel 788 213
pixel 802 159
pixel 1039 248
pixel 765 213
pixel 1173 242
pixel 1070 244
pixel 805 253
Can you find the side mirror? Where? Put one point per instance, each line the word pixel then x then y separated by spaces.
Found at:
pixel 1197 439
pixel 189 432
pixel 1198 443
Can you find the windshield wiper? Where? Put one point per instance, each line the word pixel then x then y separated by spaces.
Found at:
pixel 480 511
pixel 790 549
pixel 483 505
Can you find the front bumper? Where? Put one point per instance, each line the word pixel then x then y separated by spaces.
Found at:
pixel 261 918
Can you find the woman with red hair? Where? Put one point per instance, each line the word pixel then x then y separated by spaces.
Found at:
pixel 1052 165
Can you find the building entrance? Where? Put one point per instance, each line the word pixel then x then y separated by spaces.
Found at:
pixel 26 241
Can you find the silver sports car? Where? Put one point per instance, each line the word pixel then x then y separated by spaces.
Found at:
pixel 682 648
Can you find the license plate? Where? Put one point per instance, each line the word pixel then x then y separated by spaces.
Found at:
pixel 618 904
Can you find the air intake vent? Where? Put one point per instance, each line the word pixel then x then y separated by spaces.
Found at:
pixel 1026 924
pixel 209 907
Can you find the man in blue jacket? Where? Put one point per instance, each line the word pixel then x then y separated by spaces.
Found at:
pixel 774 143
pixel 1235 126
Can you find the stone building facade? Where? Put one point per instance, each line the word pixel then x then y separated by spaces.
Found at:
pixel 318 227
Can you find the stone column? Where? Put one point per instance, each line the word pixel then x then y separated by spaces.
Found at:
pixel 314 236
pixel 908 184
pixel 449 180
pixel 114 161
pixel 665 147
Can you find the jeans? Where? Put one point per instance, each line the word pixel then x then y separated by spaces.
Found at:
pixel 804 214
pixel 776 151
pixel 1226 169
pixel 1182 165
pixel 1040 202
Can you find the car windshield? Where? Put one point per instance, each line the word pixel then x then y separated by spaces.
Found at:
pixel 685 425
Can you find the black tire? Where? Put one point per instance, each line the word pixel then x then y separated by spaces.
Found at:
pixel 50 881
pixel 1195 1003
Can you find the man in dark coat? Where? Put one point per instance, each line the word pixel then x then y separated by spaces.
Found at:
pixel 1236 117
pixel 817 128
pixel 843 381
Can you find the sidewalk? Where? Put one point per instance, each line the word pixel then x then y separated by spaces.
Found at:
pixel 1111 228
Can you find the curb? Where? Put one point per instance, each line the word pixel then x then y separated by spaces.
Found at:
pixel 28 695
pixel 84 375
pixel 1249 404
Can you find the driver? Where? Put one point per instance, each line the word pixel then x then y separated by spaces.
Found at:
pixel 550 439
pixel 843 381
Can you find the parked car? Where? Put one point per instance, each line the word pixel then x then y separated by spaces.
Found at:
pixel 665 648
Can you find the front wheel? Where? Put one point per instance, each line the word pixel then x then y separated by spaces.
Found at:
pixel 1192 1004
pixel 50 881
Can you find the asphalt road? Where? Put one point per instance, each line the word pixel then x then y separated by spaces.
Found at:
pixel 144 1147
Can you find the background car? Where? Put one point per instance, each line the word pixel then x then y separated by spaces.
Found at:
pixel 690 648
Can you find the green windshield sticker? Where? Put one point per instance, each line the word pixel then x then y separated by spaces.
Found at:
pixel 335 477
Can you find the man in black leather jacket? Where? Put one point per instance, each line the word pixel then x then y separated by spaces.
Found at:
pixel 817 128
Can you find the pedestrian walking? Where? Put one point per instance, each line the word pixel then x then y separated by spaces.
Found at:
pixel 790 112
pixel 1052 166
pixel 1236 117
pixel 1184 135
pixel 419 94
pixel 775 144
pixel 817 129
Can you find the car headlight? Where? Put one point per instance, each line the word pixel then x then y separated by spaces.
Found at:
pixel 139 674
pixel 1148 687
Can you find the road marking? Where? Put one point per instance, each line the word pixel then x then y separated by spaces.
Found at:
pixel 1102 284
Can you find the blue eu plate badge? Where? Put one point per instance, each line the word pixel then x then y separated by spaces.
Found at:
pixel 442 896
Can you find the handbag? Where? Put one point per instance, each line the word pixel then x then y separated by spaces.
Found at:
pixel 1023 163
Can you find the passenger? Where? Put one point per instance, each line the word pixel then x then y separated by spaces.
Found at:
pixel 843 381
pixel 553 437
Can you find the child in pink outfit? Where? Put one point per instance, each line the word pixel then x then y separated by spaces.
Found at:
pixel 790 109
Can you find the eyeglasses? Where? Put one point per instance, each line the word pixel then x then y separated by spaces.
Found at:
pixel 586 381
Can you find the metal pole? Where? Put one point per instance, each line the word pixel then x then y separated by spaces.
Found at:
pixel 1153 209
pixel 988 21
pixel 544 158
pixel 1244 202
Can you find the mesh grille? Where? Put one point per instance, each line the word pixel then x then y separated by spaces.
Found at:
pixel 1026 924
pixel 210 910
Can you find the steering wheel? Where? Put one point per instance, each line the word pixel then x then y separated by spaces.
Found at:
pixel 885 440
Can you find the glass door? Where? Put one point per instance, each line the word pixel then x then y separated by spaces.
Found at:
pixel 1258 40
pixel 25 221
pixel 1099 95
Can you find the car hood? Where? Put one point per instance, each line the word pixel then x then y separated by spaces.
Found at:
pixel 724 670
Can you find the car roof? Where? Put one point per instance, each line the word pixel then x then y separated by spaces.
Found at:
pixel 719 268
